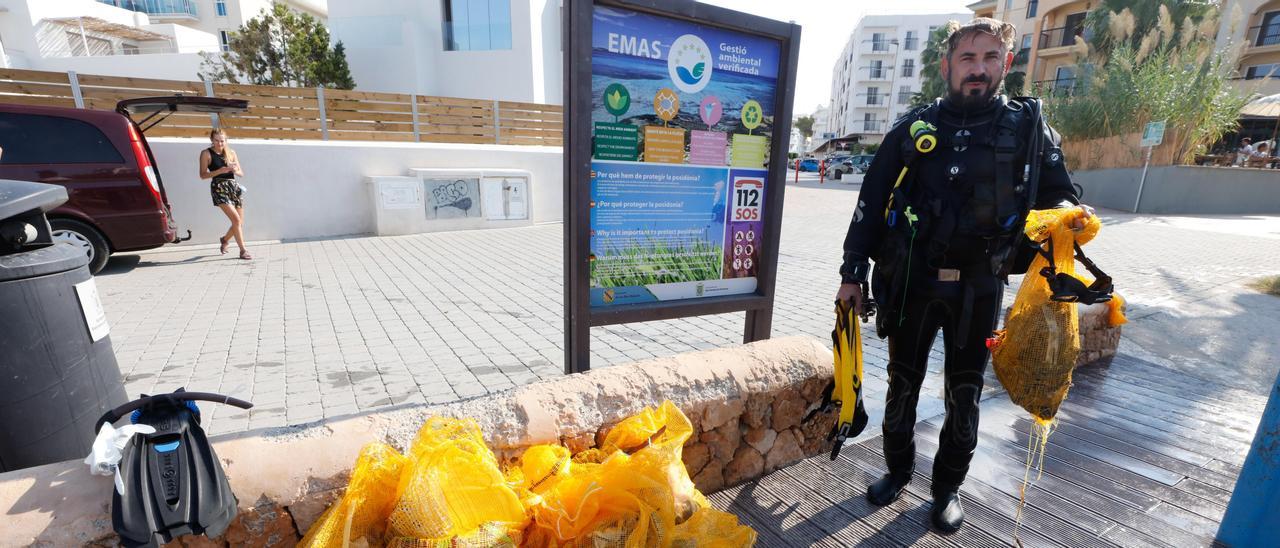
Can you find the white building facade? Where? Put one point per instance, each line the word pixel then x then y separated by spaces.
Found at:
pixel 877 73
pixel 506 50
pixel 821 128
pixel 136 38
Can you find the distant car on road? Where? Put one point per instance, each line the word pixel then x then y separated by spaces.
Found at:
pixel 809 164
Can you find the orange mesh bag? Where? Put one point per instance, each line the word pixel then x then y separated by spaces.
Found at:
pixel 362 511
pixel 1035 352
pixel 453 492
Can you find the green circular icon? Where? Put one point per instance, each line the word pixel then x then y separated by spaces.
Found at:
pixel 617 99
pixel 752 114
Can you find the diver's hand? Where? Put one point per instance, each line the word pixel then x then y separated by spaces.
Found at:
pixel 851 293
pixel 1083 220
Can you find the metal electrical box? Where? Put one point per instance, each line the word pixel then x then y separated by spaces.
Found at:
pixel 505 198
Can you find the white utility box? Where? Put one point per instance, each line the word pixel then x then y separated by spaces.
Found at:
pixel 397 205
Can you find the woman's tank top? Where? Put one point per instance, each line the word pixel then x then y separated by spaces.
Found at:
pixel 218 161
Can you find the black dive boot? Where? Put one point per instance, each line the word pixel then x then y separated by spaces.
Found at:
pixel 888 488
pixel 947 514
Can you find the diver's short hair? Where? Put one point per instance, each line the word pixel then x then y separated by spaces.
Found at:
pixel 1000 30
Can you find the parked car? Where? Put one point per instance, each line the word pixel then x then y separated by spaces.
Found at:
pixel 846 165
pixel 115 195
pixel 809 164
pixel 861 162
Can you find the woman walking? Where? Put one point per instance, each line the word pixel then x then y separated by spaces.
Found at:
pixel 218 162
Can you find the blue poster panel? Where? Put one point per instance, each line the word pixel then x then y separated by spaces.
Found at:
pixel 682 118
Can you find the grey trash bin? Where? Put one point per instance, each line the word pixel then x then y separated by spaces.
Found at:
pixel 58 373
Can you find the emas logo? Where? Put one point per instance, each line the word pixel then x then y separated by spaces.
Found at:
pixel 689 64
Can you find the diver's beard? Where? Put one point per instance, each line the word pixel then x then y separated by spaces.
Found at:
pixel 964 100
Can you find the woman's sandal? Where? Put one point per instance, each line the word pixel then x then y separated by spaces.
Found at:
pixel 224 243
pixel 244 254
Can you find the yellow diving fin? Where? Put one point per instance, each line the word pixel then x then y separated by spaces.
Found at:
pixel 846 341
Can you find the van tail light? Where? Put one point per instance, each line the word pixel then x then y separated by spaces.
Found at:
pixel 144 164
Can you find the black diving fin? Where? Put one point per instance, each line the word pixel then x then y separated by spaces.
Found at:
pixel 173 483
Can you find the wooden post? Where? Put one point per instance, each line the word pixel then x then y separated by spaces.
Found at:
pixel 497 125
pixel 213 116
pixel 414 107
pixel 324 125
pixel 75 88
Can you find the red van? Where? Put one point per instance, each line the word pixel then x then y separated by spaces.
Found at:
pixel 115 194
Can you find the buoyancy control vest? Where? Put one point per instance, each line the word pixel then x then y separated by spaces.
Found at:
pixel 961 206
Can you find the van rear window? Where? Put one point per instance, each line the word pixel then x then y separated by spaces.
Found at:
pixel 39 139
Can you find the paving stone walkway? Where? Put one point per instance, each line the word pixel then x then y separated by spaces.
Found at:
pixel 324 328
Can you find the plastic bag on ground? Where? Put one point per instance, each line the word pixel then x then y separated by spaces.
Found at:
pixel 363 509
pixel 639 496
pixel 454 492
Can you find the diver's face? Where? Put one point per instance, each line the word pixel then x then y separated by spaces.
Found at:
pixel 975 69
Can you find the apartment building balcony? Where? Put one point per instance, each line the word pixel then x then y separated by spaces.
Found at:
pixel 159 9
pixel 1262 39
pixel 1058 41
pixel 872 74
pixel 873 101
pixel 879 47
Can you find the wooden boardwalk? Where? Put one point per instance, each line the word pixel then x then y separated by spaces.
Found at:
pixel 1143 456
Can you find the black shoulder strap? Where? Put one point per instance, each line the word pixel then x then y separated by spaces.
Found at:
pixel 1006 145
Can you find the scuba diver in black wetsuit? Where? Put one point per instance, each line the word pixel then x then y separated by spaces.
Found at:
pixel 941 213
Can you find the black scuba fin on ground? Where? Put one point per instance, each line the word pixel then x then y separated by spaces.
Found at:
pixel 173 482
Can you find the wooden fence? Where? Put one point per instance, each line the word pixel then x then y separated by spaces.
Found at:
pixel 302 113
pixel 1121 151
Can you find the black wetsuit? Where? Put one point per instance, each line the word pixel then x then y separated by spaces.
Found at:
pixel 952 189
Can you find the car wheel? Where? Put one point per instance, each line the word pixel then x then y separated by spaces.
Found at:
pixel 84 237
pixel 835 175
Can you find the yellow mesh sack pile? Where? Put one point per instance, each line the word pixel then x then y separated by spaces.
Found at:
pixel 632 491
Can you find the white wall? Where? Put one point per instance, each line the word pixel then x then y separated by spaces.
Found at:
pixel 390 45
pixel 310 189
pixel 170 66
pixel 398 45
pixel 186 39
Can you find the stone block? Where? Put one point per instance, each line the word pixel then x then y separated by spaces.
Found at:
pixel 746 465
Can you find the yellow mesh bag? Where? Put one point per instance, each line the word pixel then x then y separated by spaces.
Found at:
pixel 640 495
pixel 711 528
pixel 454 491
pixel 1034 354
pixel 363 509
pixel 655 439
